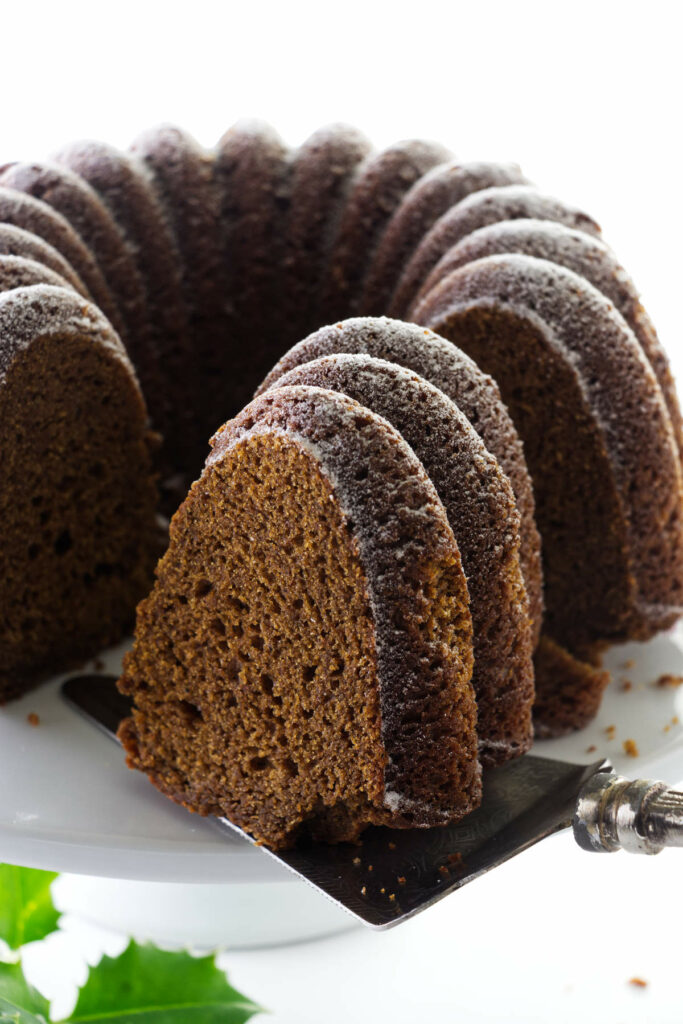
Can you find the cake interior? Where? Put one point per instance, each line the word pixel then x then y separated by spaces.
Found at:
pixel 258 697
pixel 76 502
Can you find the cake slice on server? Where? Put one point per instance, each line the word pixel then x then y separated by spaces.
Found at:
pixel 303 664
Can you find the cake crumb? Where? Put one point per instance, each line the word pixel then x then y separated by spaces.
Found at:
pixel 667 728
pixel 364 891
pixel 392 846
pixel 668 681
pixel 369 867
pixel 638 982
pixel 591 749
pixel 443 871
pixel 401 879
pixel 629 663
pixel 32 718
pixel 626 685
pixel 383 889
pixel 392 896
pixel 611 732
pixel 454 859
pixel 99 665
pixel 356 861
pixel 630 748
pixel 674 720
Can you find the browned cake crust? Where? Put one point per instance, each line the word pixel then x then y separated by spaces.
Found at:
pixel 483 515
pixel 77 497
pixel 598 442
pixel 17 272
pixel 570 691
pixel 252 170
pixel 303 663
pixel 322 175
pixel 585 255
pixel 379 187
pixel 123 186
pixel 79 204
pixel 184 181
pixel 15 241
pixel 458 377
pixel 40 219
pixel 427 200
pixel 490 206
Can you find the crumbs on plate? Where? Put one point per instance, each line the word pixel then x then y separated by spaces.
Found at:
pixel 32 718
pixel 638 982
pixel 668 681
pixel 630 748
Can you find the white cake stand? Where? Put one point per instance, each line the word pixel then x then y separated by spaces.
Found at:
pixel 134 861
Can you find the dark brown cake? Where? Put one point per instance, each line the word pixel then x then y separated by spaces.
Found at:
pixel 79 204
pixel 208 266
pixel 599 444
pixel 585 255
pixel 77 500
pixel 379 187
pixel 303 662
pixel 252 169
pixel 17 272
pixel 427 200
pixel 483 515
pixel 40 219
pixel 458 377
pixel 184 181
pixel 15 241
pixel 490 206
pixel 322 176
pixel 123 187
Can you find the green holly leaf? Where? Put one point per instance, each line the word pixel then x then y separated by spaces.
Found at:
pixel 146 985
pixel 20 1003
pixel 26 909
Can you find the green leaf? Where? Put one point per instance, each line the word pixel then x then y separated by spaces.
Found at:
pixel 26 909
pixel 146 985
pixel 20 1003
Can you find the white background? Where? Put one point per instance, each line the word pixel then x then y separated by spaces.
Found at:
pixel 587 98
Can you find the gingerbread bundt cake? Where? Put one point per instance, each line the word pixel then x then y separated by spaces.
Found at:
pixel 210 266
pixel 303 662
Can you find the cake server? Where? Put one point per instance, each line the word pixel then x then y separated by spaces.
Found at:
pixel 390 875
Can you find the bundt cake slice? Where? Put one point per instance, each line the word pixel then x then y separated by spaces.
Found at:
pixel 598 442
pixel 303 662
pixel 77 499
pixel 460 379
pixel 483 515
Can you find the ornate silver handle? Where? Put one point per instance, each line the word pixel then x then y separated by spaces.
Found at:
pixel 614 813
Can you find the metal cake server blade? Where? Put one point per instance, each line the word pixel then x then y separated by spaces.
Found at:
pixel 390 875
